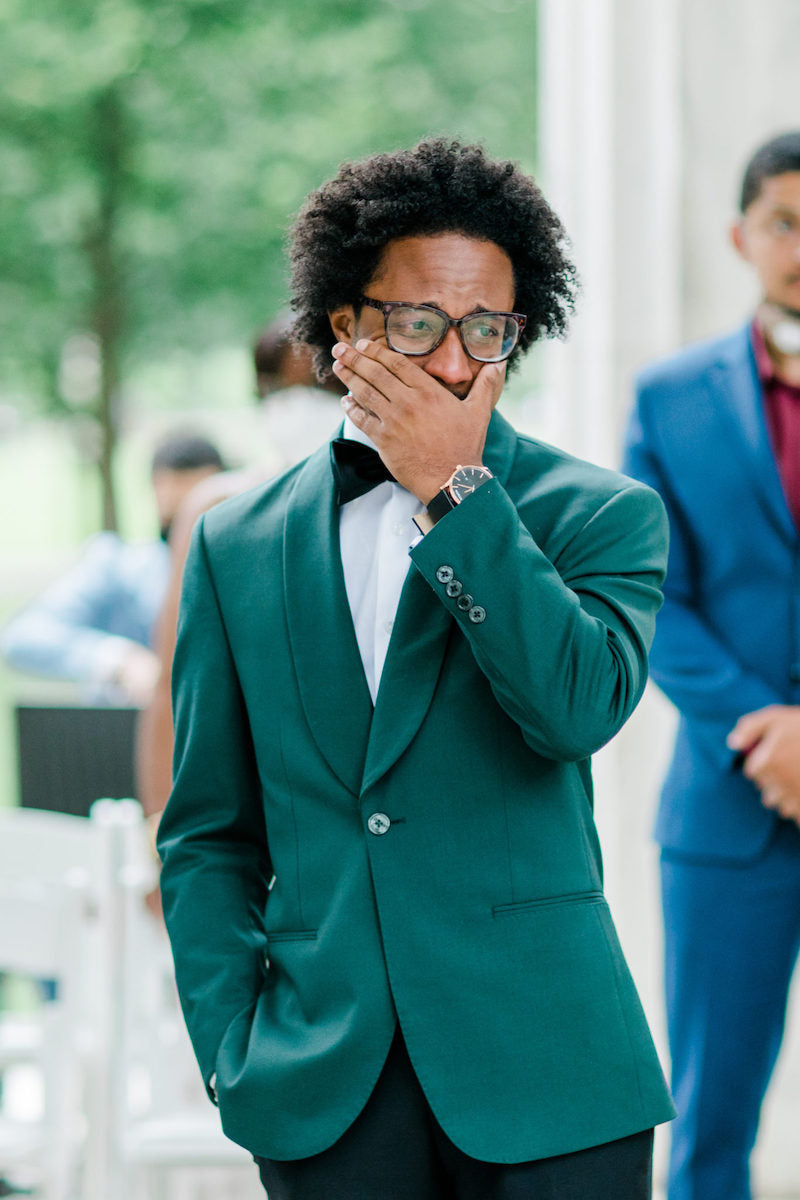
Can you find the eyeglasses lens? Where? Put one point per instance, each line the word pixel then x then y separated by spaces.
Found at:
pixel 487 337
pixel 413 330
pixel 490 337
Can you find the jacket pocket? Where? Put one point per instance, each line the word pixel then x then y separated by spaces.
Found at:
pixel 292 935
pixel 523 906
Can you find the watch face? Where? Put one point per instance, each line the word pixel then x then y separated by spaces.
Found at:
pixel 466 480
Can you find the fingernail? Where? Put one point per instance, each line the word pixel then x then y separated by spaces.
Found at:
pixel 362 343
pixel 339 349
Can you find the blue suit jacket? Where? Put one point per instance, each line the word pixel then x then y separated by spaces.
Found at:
pixel 728 637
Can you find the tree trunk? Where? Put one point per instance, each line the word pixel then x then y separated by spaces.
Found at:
pixel 109 151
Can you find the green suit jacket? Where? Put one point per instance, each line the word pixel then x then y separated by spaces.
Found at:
pixel 474 914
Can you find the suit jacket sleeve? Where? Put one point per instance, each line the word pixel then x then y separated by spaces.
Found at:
pixel 566 630
pixel 694 667
pixel 212 838
pixel 66 631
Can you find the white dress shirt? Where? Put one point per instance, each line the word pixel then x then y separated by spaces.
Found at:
pixel 375 533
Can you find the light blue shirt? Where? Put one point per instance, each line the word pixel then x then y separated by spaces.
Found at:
pixel 81 627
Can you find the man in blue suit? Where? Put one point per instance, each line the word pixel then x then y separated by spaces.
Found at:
pixel 716 430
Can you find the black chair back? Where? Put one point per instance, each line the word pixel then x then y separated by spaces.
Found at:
pixel 71 756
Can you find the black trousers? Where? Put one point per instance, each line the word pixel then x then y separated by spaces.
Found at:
pixel 396 1150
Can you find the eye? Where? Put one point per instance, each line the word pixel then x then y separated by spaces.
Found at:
pixel 415 326
pixel 483 331
pixel 783 225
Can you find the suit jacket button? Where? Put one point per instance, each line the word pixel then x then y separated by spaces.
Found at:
pixel 378 823
pixel 454 588
pixel 464 602
pixel 477 614
pixel 445 574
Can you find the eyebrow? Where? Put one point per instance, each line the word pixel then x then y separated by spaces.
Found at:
pixel 473 312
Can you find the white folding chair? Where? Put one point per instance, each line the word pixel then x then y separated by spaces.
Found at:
pixel 41 930
pixel 166 1135
pixel 47 845
pixel 49 849
pixel 53 854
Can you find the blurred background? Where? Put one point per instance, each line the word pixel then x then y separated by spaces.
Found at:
pixel 152 156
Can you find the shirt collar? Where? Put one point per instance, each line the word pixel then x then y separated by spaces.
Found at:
pixel 355 434
pixel 764 364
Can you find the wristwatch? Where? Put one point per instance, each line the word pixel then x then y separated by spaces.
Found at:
pixel 461 483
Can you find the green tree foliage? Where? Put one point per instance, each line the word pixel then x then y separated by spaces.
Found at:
pixel 153 152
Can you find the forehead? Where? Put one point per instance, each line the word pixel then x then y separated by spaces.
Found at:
pixel 780 191
pixel 449 269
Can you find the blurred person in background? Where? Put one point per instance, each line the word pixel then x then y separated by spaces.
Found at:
pixel 716 430
pixel 381 873
pixel 298 413
pixel 94 625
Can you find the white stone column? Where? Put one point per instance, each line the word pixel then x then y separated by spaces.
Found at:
pixel 740 67
pixel 648 111
pixel 610 164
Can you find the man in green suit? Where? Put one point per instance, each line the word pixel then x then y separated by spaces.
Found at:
pixel 381 874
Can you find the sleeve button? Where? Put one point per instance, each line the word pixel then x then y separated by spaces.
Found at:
pixel 444 574
pixel 477 614
pixel 464 602
pixel 454 588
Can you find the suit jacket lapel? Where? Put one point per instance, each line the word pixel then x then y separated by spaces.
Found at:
pixel 736 379
pixel 413 662
pixel 331 679
pixel 420 638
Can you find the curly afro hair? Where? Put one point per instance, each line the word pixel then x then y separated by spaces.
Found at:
pixel 437 187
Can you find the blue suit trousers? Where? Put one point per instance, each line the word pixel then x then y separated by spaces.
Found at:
pixel 732 935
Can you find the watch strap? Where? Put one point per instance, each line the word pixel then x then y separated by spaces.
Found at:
pixel 440 505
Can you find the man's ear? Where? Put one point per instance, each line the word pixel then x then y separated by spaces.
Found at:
pixel 343 322
pixel 739 239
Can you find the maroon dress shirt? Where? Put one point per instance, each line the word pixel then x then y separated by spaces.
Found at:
pixel 782 409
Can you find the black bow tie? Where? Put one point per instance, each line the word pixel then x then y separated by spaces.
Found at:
pixel 357 469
